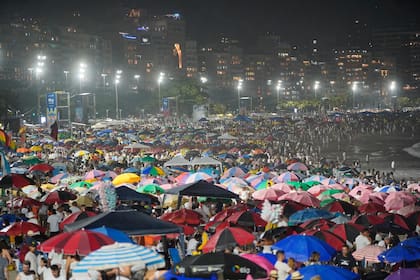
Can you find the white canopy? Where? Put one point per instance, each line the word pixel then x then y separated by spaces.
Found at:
pixel 136 146
pixel 177 161
pixel 206 161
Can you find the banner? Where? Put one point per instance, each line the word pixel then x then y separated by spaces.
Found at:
pixel 165 107
pixel 51 108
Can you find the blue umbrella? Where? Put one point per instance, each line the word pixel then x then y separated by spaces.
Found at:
pixel 300 247
pixel 114 234
pixel 131 170
pixel 171 276
pixel 412 242
pixel 309 214
pixel 400 253
pixel 270 257
pixel 327 272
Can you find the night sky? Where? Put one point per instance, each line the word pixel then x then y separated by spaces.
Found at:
pixel 296 21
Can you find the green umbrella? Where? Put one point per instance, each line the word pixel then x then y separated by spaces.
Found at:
pixel 299 185
pixel 327 201
pixel 151 188
pixel 31 160
pixel 312 183
pixel 81 184
pixel 330 192
pixel 148 159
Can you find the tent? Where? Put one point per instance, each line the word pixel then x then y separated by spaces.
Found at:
pixel 202 188
pixel 129 221
pixel 128 194
pixel 177 161
pixel 136 146
pixel 227 136
pixel 206 161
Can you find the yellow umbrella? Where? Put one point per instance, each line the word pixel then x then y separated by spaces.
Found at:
pixel 124 178
pixel 48 187
pixel 81 153
pixel 36 148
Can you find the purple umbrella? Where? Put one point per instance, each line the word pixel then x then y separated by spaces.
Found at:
pixel 405 273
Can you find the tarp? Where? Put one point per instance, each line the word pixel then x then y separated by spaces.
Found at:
pixel 227 136
pixel 206 161
pixel 129 221
pixel 202 188
pixel 177 161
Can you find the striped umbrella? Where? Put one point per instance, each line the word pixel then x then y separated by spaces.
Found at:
pixel 120 254
pixel 369 253
pixel 286 177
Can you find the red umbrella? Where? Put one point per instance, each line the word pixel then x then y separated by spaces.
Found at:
pixel 396 219
pixel 321 224
pixel 371 208
pixel 341 207
pixel 58 196
pixel 15 180
pixel 331 238
pixel 229 237
pixel 367 220
pixel 247 219
pixel 80 242
pixel 183 216
pixel 414 219
pixel 76 217
pixel 222 215
pixel 347 231
pixel 21 228
pixel 290 207
pixel 23 202
pixel 214 226
pixel 267 194
pixel 398 200
pixel 43 167
pixel 301 197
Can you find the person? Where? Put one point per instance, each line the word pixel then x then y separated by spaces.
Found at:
pixel 192 244
pixel 74 208
pixel 54 273
pixel 32 219
pixel 31 257
pixel 204 237
pixel 363 239
pixel 274 275
pixel 26 273
pixel 346 260
pixel 4 272
pixel 283 269
pixel 5 253
pixel 313 259
pixel 54 221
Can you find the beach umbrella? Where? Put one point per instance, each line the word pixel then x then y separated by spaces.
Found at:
pixel 233 182
pixel 367 220
pixel 58 197
pixel 20 202
pixel 405 273
pixel 114 234
pixel 297 166
pixel 299 185
pixel 21 228
pixel 228 238
pixel 31 160
pixel 387 189
pixel 398 200
pixel 80 242
pixel 255 179
pixel 309 214
pixel 300 247
pixel 58 177
pixel 368 253
pixel 148 159
pixel 120 254
pixel 327 272
pixel 227 212
pixel 408 210
pixel 81 184
pixel 329 237
pixel 182 216
pixel 264 184
pixel 233 172
pixel 375 197
pixel 74 217
pixel 400 253
pixel 286 177
pixel 270 194
pixel 259 260
pixel 317 178
pixel 94 175
pixel 15 180
pixel 131 170
pixel 340 206
pixel 153 170
pixel 348 231
pixel 246 218
pixel 151 188
pixel 195 177
pixel 360 191
pixel 371 208
pixel 232 266
pixel 283 187
pixel 317 189
pixel 301 197
pixel 328 181
pixel 42 167
pixel 126 178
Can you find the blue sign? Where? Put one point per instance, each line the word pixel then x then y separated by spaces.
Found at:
pixel 51 108
pixel 51 100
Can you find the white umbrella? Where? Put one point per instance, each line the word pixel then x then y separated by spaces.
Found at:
pixel 120 254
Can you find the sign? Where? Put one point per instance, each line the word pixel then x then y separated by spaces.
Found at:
pixel 51 108
pixel 165 107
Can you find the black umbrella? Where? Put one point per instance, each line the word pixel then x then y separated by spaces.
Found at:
pixel 281 232
pixel 127 194
pixel 15 180
pixel 232 266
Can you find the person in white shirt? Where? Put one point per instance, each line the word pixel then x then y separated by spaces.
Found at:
pixel 74 208
pixel 32 258
pixel 54 273
pixel 30 215
pixel 283 270
pixel 363 239
pixel 192 244
pixel 54 221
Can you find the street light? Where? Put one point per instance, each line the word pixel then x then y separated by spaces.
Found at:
pixel 239 87
pixel 38 71
pixel 160 80
pixel 316 87
pixel 392 89
pixel 116 98
pixel 354 89
pixel 278 87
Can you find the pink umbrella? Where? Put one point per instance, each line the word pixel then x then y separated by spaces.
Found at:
pixel 195 177
pixel 282 187
pixel 408 210
pixel 341 196
pixel 261 261
pixel 94 174
pixel 267 194
pixel 254 180
pixel 370 253
pixel 379 197
pixel 297 166
pixel 181 178
pixel 336 187
pixel 301 197
pixel 398 200
pixel 168 186
pixel 360 191
pixel 234 181
pixel 58 177
pixel 328 181
pixel 286 177
pixel 317 190
pixel 233 172
pixel 414 188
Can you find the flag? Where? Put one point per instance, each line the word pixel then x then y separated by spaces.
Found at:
pixel 6 140
pixel 22 134
pixel 54 131
pixel 4 165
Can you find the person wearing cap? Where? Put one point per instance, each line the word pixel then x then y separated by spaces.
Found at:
pixel 274 275
pixel 31 257
pixel 296 275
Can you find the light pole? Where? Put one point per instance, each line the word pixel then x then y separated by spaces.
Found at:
pixel 354 89
pixel 117 81
pixel 82 72
pixel 239 87
pixel 316 87
pixel 392 89
pixel 38 71
pixel 160 80
pixel 278 88
pixel 137 78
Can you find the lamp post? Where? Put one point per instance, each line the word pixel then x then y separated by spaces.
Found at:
pixel 278 88
pixel 160 80
pixel 117 81
pixel 316 87
pixel 38 71
pixel 354 89
pixel 239 87
pixel 392 89
pixel 137 78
